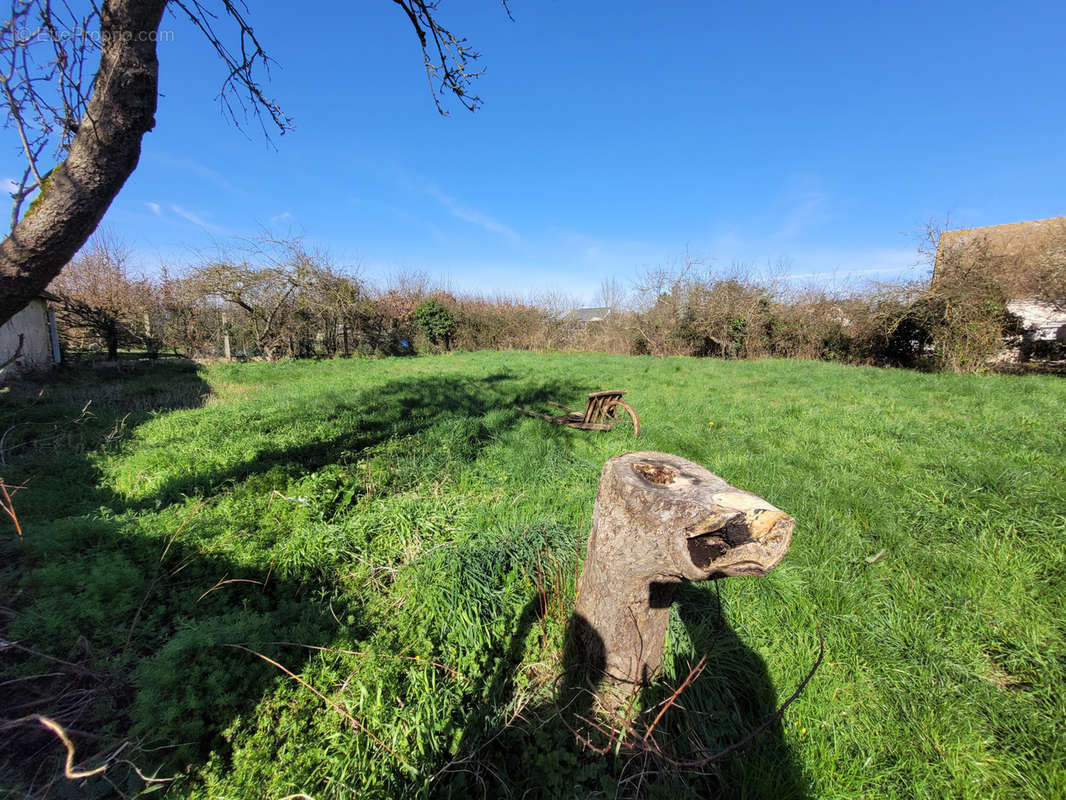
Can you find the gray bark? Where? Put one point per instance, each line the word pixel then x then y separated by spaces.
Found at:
pixel 102 155
pixel 660 519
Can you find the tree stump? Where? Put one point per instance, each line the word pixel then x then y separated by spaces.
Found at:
pixel 660 519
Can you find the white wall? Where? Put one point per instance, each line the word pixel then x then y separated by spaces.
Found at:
pixel 32 323
pixel 1043 319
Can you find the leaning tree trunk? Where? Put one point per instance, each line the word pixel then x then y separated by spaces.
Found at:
pixel 660 519
pixel 104 152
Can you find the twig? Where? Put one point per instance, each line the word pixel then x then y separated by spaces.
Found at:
pixel 334 705
pixel 76 667
pixel 159 573
pixel 68 769
pixel 146 778
pixel 195 510
pixel 223 581
pixel 725 753
pixel 33 678
pixel 437 664
pixel 644 743
pixel 677 693
pixel 9 507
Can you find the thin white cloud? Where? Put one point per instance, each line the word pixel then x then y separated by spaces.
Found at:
pixel 472 215
pixel 726 242
pixel 605 251
pixel 10 185
pixel 201 171
pixel 155 209
pixel 828 265
pixel 809 211
pixel 841 273
pixel 801 205
pixel 196 219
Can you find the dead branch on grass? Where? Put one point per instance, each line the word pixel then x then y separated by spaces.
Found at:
pixel 223 581
pixel 8 507
pixel 693 674
pixel 69 771
pixel 331 703
pixel 68 767
pixel 77 668
pixel 632 736
pixel 437 664
pixel 159 571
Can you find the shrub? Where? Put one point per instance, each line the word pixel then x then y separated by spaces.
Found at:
pixel 435 321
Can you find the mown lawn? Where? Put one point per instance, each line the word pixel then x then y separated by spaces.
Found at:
pixel 380 528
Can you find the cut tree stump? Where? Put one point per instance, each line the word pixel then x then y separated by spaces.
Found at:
pixel 660 519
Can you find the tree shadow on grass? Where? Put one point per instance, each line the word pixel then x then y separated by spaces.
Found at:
pixel 118 623
pixel 51 424
pixel 394 411
pixel 536 749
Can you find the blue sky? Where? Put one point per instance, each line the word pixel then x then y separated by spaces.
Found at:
pixel 613 137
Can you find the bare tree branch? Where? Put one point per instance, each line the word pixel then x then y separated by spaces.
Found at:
pixel 240 91
pixel 449 58
pixel 91 130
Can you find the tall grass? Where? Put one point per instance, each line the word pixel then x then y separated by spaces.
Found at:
pixel 398 536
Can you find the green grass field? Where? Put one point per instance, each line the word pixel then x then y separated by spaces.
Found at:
pixel 380 528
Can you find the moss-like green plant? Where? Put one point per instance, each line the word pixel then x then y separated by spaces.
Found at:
pixel 36 202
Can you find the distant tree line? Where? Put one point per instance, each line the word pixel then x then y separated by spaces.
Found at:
pixel 280 298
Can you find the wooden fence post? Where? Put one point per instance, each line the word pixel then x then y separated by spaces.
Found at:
pixel 225 338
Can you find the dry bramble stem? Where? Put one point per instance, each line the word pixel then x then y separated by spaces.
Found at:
pixel 224 581
pixel 68 768
pixel 334 705
pixel 693 674
pixel 9 507
pixel 437 664
pixel 629 737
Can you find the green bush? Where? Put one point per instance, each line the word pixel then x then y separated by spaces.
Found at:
pixel 436 322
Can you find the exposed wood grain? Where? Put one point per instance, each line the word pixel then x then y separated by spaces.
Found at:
pixel 658 520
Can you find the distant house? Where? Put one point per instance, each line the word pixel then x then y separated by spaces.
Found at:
pixel 29 340
pixel 1014 256
pixel 584 316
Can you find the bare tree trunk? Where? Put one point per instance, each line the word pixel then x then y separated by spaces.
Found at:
pixel 660 519
pixel 103 154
